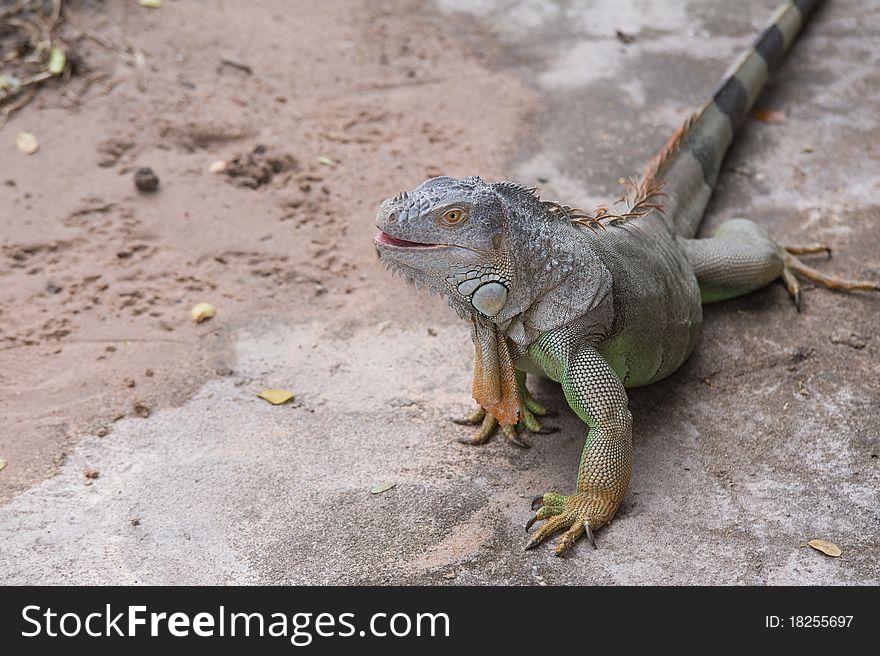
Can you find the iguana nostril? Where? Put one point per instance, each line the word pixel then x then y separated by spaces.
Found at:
pixel 392 218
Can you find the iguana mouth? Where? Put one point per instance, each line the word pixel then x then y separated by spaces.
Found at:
pixel 386 239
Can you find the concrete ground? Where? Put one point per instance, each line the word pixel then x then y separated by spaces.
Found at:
pixel 766 438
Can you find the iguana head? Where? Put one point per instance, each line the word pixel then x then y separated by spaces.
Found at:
pixel 451 236
pixel 495 250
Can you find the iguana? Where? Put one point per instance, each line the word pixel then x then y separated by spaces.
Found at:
pixel 597 301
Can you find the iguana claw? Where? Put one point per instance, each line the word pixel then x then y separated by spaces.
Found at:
pixel 590 537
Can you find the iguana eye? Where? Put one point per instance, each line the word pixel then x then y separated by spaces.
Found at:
pixel 453 216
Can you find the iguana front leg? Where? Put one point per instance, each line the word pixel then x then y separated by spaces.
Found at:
pixel 597 396
pixel 531 410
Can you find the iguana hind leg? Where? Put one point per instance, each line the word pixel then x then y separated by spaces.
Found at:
pixel 742 257
pixel 531 410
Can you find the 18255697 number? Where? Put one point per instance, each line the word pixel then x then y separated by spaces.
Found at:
pixel 819 621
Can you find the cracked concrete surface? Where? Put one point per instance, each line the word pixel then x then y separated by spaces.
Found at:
pixel 766 438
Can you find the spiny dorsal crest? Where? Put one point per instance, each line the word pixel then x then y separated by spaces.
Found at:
pixel 516 187
pixel 641 198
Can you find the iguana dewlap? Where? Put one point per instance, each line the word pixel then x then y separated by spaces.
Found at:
pixel 597 301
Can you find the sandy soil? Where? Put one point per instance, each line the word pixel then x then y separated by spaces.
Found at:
pixel 350 100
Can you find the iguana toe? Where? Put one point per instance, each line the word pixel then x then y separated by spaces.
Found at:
pixel 531 404
pixel 487 422
pixel 531 423
pixel 476 417
pixel 512 434
pixel 553 524
pixel 809 249
pixel 793 285
pixel 531 410
pixel 547 430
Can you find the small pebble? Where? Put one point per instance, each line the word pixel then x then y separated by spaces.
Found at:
pixel 146 180
pixel 141 409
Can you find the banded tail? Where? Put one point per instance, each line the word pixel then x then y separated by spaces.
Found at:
pixel 690 163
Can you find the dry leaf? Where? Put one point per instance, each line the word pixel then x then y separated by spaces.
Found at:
pixel 203 311
pixel 381 487
pixel 768 116
pixel 276 396
pixel 2 463
pixel 326 161
pixel 27 143
pixel 827 548
pixel 150 4
pixel 57 61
